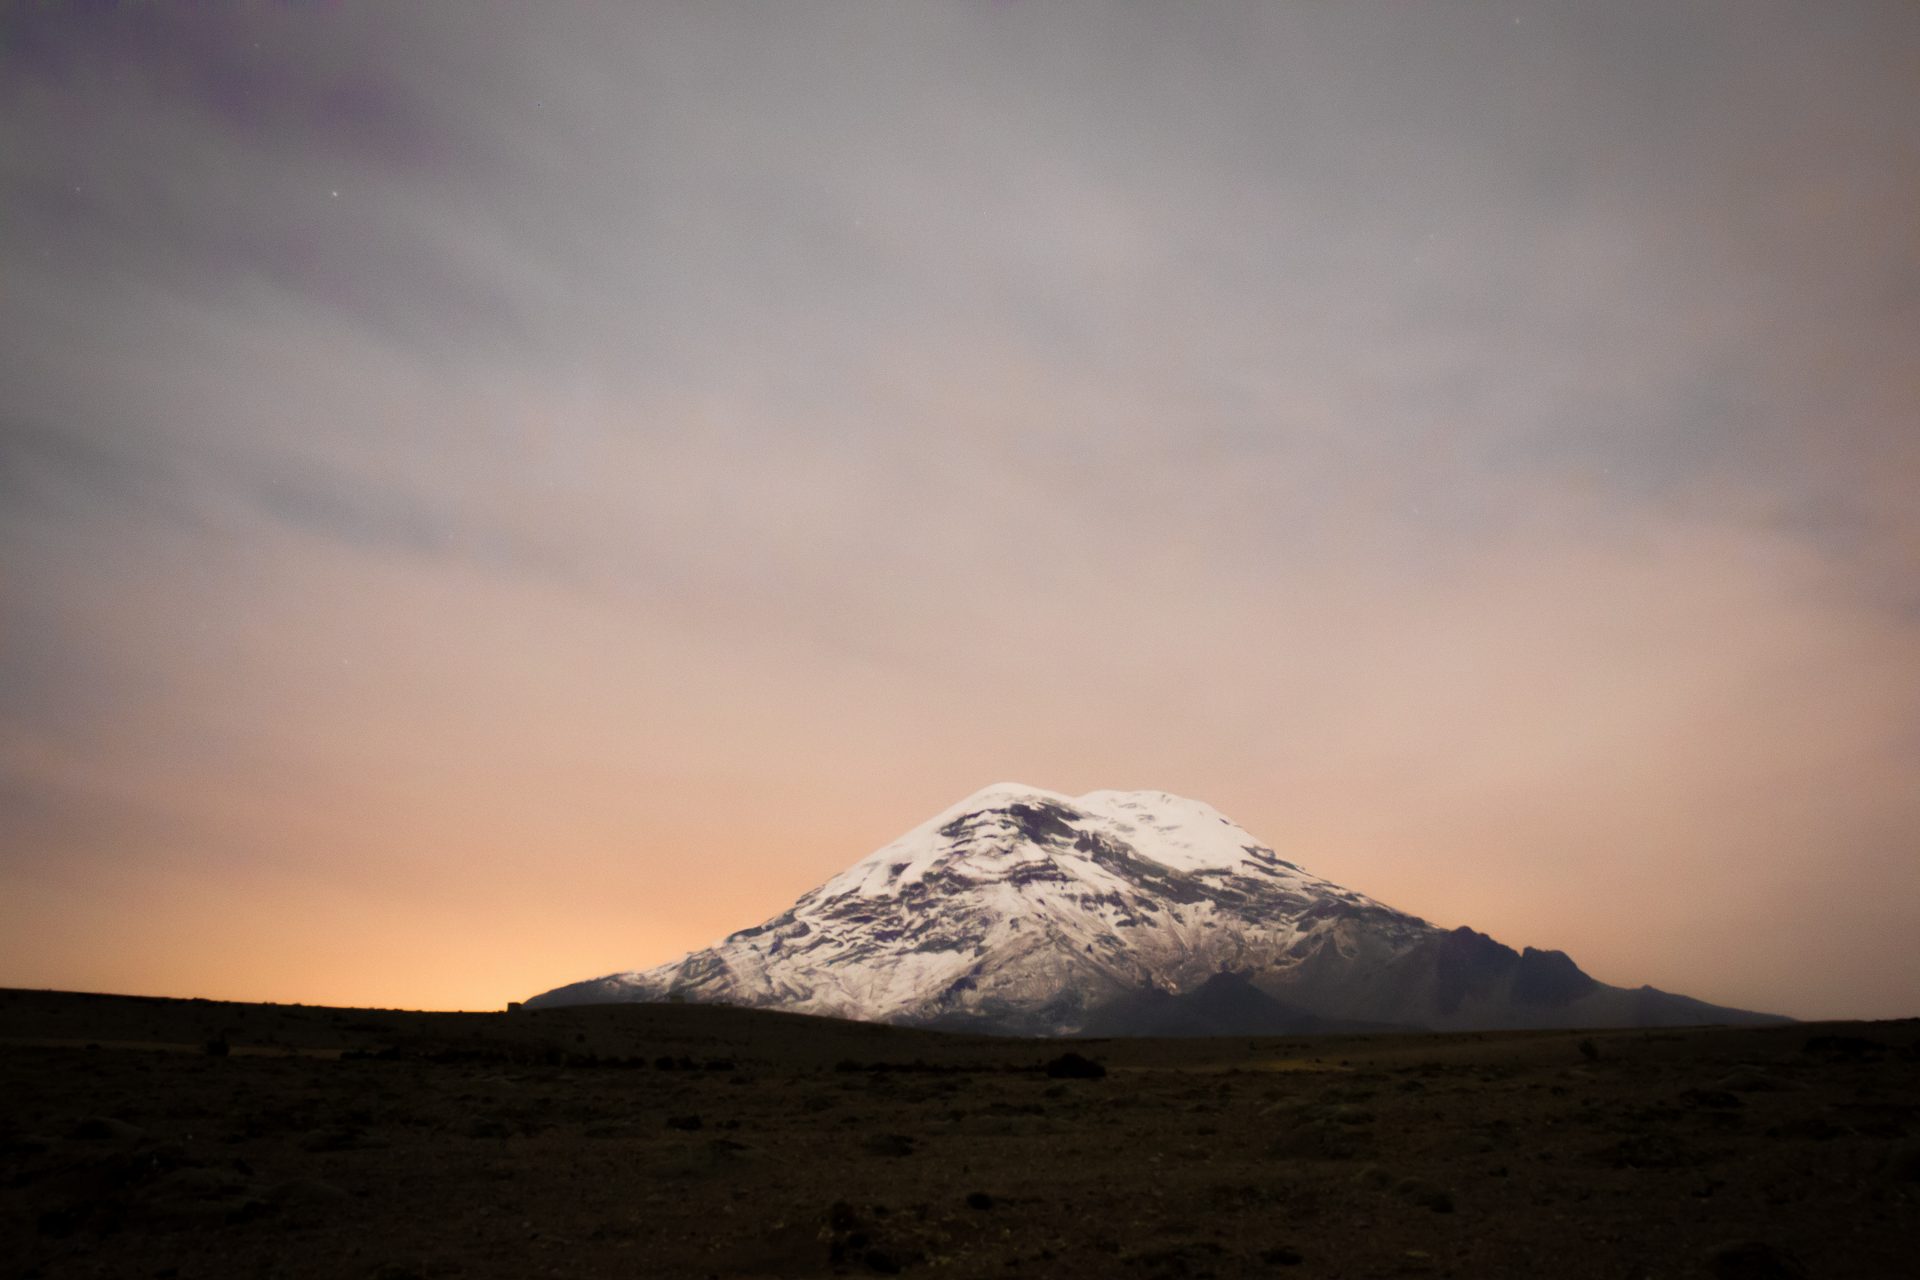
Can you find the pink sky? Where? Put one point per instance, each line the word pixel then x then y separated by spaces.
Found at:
pixel 490 501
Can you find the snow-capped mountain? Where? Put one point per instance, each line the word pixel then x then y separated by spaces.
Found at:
pixel 1121 912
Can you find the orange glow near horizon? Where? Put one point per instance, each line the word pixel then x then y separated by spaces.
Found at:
pixel 489 503
pixel 1592 773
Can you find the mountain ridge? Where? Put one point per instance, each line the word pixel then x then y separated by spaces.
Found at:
pixel 1025 911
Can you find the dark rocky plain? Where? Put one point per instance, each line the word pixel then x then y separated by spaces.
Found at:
pixel 170 1138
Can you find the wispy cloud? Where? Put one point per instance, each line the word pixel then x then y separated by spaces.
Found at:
pixel 679 447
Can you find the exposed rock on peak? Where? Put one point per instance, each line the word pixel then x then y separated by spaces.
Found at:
pixel 1023 910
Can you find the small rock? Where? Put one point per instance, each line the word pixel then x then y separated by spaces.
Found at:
pixel 61 1222
pixel 1318 1137
pixel 1906 1165
pixel 1426 1195
pixel 888 1144
pixel 1197 1258
pixel 1754 1260
pixel 979 1200
pixel 1843 1046
pixel 1072 1066
pixel 342 1139
pixel 1711 1099
pixel 199 1183
pixel 307 1191
pixel 106 1129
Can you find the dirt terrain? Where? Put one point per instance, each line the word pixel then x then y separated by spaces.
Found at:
pixel 161 1138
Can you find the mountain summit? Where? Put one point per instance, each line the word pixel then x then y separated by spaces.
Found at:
pixel 1024 911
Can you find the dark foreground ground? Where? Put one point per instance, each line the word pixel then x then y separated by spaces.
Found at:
pixel 183 1138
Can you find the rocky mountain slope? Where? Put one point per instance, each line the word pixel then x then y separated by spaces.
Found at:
pixel 1023 911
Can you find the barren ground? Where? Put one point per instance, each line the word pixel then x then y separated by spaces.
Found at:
pixel 672 1141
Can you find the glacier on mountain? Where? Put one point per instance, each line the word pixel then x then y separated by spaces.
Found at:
pixel 1025 911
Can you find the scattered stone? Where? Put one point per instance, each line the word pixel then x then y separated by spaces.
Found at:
pixel 25 1144
pixel 1833 1046
pixel 1374 1177
pixel 1426 1195
pixel 1414 1191
pixel 1711 1099
pixel 1230 1197
pixel 306 1191
pixel 979 1200
pixel 888 1144
pixel 1072 1066
pixel 1754 1260
pixel 340 1139
pixel 856 1237
pixel 1809 1129
pixel 1906 1165
pixel 198 1195
pixel 612 1129
pixel 1194 1258
pixel 1650 1151
pixel 61 1222
pixel 179 1187
pixel 1319 1137
pixel 106 1129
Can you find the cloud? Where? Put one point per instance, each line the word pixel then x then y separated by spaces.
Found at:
pixel 695 443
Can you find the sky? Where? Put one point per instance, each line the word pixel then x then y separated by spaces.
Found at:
pixel 496 495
